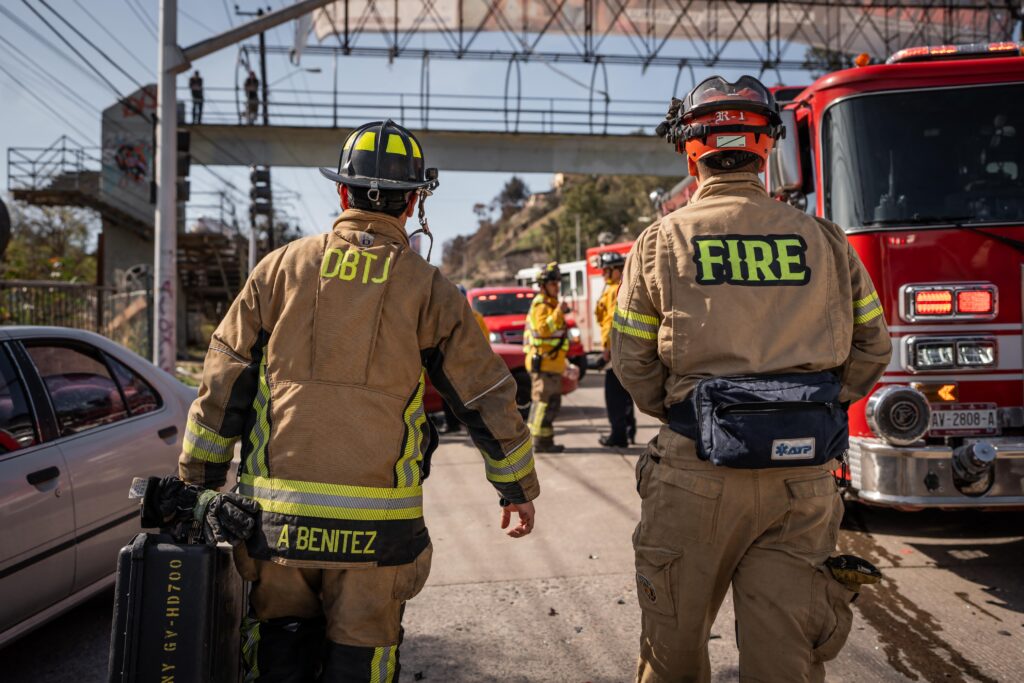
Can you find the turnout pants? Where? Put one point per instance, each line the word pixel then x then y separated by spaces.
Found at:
pixel 764 532
pixel 326 625
pixel 547 400
pixel 620 408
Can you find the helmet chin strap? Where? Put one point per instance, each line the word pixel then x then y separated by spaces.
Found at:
pixel 423 193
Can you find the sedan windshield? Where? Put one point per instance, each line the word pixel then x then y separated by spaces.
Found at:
pixel 926 156
pixel 510 303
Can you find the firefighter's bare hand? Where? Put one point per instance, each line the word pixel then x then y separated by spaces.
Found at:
pixel 526 517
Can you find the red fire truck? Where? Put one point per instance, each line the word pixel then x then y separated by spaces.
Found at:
pixel 921 160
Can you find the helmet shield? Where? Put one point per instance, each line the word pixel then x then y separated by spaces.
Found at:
pixel 716 94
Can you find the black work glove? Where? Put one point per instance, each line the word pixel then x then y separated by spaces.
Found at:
pixel 168 501
pixel 229 517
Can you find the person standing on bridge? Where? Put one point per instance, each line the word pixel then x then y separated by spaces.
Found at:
pixel 319 367
pixel 195 84
pixel 546 344
pixel 252 97
pixel 616 399
pixel 747 327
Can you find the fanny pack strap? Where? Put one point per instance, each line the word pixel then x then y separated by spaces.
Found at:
pixel 682 418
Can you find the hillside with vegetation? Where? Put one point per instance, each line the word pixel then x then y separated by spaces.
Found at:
pixel 517 228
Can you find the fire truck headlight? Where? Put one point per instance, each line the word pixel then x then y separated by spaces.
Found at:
pixel 574 334
pixel 899 414
pixel 933 355
pixel 494 338
pixel 976 354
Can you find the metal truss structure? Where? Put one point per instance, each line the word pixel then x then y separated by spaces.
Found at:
pixel 666 33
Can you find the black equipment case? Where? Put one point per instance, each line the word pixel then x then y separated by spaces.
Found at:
pixel 177 609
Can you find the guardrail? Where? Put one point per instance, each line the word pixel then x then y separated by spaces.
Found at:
pixel 594 115
pixel 41 168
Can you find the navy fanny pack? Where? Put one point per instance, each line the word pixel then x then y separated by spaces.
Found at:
pixel 760 421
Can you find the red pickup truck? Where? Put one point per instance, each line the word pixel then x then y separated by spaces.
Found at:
pixel 504 310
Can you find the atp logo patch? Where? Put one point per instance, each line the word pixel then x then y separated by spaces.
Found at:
pixel 793 449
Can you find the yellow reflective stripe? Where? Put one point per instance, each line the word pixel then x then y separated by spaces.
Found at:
pixel 520 473
pixel 866 309
pixel 259 437
pixel 638 317
pixel 415 149
pixel 333 501
pixel 331 512
pixel 367 142
pixel 634 332
pixel 395 145
pixel 514 466
pixel 537 416
pixel 407 470
pixel 873 296
pixel 867 317
pixel 323 488
pixel 202 443
pixel 383 664
pixel 250 648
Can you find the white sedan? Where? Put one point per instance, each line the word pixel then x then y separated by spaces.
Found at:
pixel 80 416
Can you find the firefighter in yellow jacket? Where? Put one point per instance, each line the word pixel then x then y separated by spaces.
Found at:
pixel 616 399
pixel 546 343
pixel 746 327
pixel 318 368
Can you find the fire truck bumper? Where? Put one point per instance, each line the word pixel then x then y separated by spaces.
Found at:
pixel 926 476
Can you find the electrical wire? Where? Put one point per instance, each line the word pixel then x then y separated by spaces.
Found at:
pixel 227 11
pixel 56 50
pixel 194 20
pixel 90 44
pixel 75 50
pixel 145 14
pixel 114 39
pixel 44 103
pixel 59 86
pixel 141 20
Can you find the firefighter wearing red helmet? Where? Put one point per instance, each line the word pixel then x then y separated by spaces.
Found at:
pixel 318 368
pixel 747 327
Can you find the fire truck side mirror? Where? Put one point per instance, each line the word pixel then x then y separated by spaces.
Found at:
pixel 784 172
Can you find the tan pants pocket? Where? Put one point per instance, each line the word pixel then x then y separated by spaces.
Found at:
pixel 815 511
pixel 643 473
pixel 836 616
pixel 654 580
pixel 679 506
pixel 410 578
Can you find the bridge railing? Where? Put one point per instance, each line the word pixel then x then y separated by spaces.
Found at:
pixel 597 115
pixel 41 168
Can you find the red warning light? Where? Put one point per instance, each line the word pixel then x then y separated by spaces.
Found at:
pixel 934 302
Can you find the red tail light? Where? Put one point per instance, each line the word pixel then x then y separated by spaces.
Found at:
pixel 933 302
pixel 974 301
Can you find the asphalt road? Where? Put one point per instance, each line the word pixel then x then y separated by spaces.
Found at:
pixel 559 606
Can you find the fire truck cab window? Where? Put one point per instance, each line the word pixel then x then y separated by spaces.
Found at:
pixel 925 157
pixel 503 304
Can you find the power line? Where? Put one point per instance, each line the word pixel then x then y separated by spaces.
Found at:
pixel 112 37
pixel 194 20
pixel 56 50
pixel 59 86
pixel 73 48
pixel 90 43
pixel 141 20
pixel 145 13
pixel 44 103
pixel 227 11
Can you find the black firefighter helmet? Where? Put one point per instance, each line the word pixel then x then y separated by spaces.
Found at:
pixel 382 155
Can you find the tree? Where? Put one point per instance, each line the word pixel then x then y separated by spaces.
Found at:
pixel 512 197
pixel 51 243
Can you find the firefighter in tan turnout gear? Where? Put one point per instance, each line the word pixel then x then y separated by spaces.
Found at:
pixel 546 345
pixel 747 327
pixel 319 369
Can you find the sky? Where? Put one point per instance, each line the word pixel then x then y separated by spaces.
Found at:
pixel 47 91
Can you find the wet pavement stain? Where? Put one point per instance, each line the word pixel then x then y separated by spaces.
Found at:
pixel 909 636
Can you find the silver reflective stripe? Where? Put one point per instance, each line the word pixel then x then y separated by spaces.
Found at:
pixel 484 393
pixel 330 500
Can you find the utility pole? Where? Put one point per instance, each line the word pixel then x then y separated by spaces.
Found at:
pixel 263 61
pixel 165 223
pixel 578 257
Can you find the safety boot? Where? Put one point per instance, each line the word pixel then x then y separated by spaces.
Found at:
pixel 546 444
